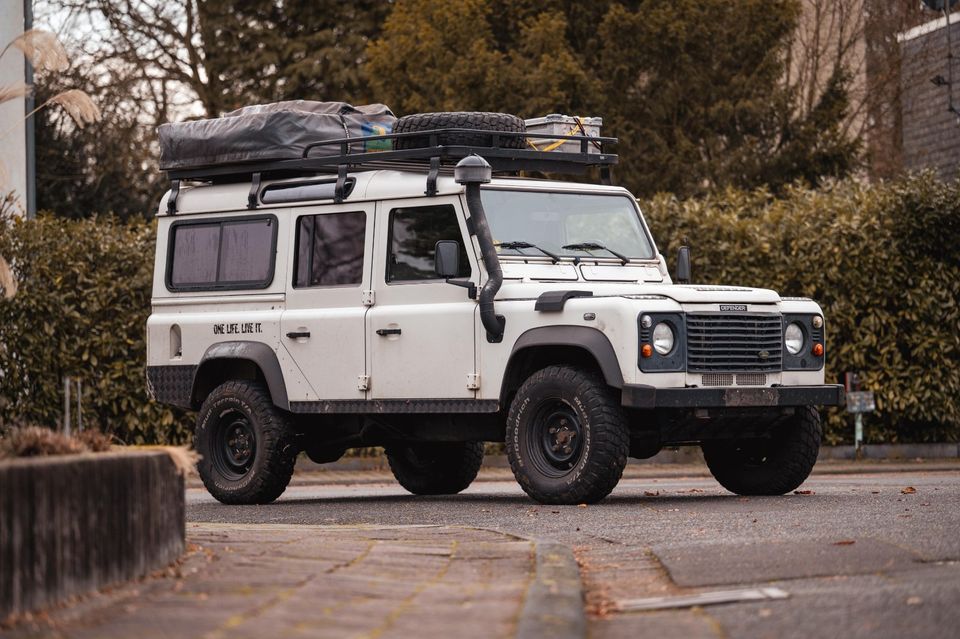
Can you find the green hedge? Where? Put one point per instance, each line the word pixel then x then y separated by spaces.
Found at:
pixel 883 261
pixel 81 311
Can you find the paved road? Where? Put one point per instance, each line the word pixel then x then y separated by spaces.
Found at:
pixel 860 555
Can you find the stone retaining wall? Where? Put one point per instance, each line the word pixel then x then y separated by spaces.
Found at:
pixel 75 523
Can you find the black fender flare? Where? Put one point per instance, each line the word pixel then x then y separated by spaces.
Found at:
pixel 586 338
pixel 260 354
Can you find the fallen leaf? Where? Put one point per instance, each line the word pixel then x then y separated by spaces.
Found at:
pixel 914 601
pixel 803 492
pixel 874 492
pixel 909 490
pixel 650 494
pixel 844 542
pixel 581 505
pixel 754 521
pixel 555 512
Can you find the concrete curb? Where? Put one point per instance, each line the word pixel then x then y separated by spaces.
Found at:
pixel 554 606
pixel 75 523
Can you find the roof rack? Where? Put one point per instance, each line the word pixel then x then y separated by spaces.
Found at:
pixel 430 158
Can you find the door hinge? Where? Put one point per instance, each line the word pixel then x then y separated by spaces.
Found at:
pixel 363 382
pixel 473 381
pixel 368 298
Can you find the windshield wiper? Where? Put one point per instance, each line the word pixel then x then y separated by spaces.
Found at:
pixel 597 246
pixel 514 246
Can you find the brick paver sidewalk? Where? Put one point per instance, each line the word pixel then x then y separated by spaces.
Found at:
pixel 316 581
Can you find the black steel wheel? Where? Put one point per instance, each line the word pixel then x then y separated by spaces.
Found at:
pixel 235 444
pixel 555 439
pixel 772 465
pixel 246 444
pixel 567 437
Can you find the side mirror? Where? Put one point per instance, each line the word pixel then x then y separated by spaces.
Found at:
pixel 446 260
pixel 683 265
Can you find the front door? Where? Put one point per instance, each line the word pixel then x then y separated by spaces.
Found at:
pixel 322 327
pixel 421 329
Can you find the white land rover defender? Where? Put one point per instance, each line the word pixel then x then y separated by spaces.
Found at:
pixel 345 298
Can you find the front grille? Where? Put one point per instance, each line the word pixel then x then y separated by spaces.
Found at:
pixel 717 379
pixel 752 379
pixel 720 343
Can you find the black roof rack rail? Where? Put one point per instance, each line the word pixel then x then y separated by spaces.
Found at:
pixel 432 156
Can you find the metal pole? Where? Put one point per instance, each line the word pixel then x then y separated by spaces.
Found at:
pixel 79 406
pixel 950 107
pixel 66 406
pixel 29 104
pixel 858 434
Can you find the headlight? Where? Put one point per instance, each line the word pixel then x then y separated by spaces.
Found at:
pixel 793 338
pixel 663 338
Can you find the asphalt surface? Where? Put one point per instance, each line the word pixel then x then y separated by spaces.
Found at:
pixel 859 555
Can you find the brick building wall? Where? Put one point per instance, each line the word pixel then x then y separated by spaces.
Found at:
pixel 930 132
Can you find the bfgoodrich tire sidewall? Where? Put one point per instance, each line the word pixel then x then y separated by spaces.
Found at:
pixel 524 420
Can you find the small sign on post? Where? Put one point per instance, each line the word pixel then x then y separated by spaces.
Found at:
pixel 858 403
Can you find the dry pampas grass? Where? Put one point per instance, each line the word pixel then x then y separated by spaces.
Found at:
pixel 42 48
pixel 185 459
pixel 11 91
pixel 8 283
pixel 78 105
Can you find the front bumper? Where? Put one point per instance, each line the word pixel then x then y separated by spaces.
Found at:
pixel 735 397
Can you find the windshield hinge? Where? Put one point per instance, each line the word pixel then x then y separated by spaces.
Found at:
pixel 363 382
pixel 368 298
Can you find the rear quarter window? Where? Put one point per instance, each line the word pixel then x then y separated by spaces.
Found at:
pixel 210 255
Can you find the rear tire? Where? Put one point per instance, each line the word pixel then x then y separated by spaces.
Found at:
pixel 771 466
pixel 478 120
pixel 567 437
pixel 435 468
pixel 247 445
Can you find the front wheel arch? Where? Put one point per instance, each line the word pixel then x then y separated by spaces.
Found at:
pixel 578 346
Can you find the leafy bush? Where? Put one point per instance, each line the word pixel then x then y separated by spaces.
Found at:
pixel 882 260
pixel 81 310
pixel 884 263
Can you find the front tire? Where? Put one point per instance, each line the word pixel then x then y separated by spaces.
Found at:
pixel 567 437
pixel 246 444
pixel 435 468
pixel 770 466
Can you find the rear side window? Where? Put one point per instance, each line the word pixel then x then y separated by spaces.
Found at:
pixel 225 254
pixel 330 249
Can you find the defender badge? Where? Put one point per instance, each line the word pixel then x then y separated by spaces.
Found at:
pixel 734 307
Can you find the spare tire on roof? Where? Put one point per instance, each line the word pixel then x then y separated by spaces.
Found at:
pixel 474 120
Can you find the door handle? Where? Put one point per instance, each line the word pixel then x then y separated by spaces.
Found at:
pixel 388 331
pixel 298 334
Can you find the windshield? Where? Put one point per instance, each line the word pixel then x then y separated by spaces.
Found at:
pixel 565 224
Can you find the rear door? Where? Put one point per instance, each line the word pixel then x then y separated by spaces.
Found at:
pixel 421 329
pixel 323 325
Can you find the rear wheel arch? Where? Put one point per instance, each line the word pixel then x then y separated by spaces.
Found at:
pixel 254 361
pixel 580 346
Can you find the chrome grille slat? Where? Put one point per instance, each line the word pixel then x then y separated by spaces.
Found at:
pixel 732 342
